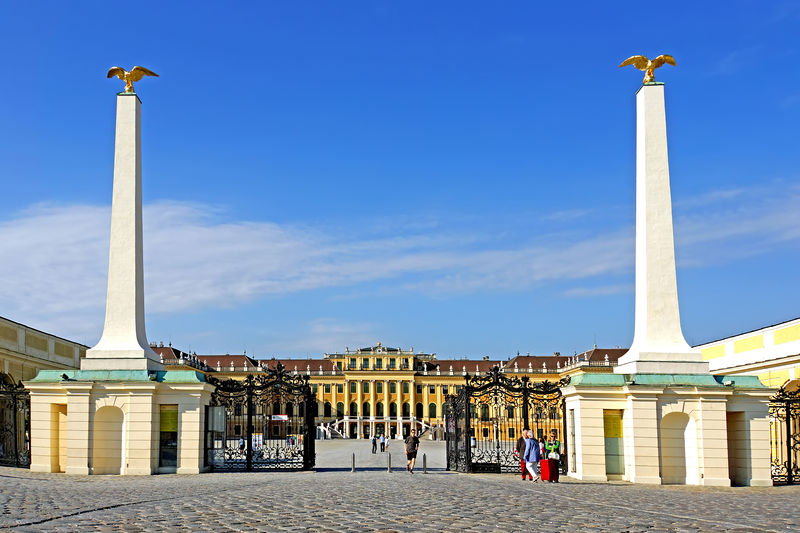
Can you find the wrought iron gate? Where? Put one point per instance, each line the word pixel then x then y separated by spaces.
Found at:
pixel 784 417
pixel 264 422
pixel 15 424
pixel 485 419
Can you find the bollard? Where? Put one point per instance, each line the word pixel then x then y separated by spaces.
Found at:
pixel 354 463
pixel 389 462
pixel 424 464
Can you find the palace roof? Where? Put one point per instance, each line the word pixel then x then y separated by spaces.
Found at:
pixel 301 365
pixel 472 366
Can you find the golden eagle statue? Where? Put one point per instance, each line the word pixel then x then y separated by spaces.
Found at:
pixel 648 65
pixel 135 74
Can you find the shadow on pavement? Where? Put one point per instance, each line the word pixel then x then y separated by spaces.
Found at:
pixel 417 470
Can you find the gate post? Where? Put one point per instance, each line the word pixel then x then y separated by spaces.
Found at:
pixel 525 396
pixel 789 478
pixel 467 439
pixel 309 444
pixel 15 414
pixel 563 439
pixel 249 443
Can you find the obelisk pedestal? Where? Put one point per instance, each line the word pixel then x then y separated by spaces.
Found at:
pixel 123 344
pixel 658 344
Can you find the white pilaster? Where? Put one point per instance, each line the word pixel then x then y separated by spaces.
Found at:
pixel 658 343
pixel 123 344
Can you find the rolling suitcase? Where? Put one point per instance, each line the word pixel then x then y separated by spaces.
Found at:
pixel 549 468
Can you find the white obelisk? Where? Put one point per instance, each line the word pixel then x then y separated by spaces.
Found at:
pixel 123 345
pixel 658 343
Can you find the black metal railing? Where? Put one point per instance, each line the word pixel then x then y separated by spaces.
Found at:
pixel 485 419
pixel 261 422
pixel 784 416
pixel 15 424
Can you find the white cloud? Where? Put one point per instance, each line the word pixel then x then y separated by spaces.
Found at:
pixel 55 258
pixel 323 334
pixel 604 290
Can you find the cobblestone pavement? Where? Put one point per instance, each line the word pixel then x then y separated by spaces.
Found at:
pixel 375 500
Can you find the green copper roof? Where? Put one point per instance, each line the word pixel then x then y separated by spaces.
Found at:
pixel 666 380
pixel 161 376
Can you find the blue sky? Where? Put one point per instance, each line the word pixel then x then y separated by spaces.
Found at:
pixel 453 176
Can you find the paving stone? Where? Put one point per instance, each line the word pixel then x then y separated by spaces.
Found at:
pixel 333 499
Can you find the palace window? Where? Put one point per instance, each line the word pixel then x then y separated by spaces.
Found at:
pixel 289 409
pixel 237 429
pixel 352 362
pixel 406 410
pixel 339 365
pixel 327 388
pixel 326 411
pixel 314 389
pixel 393 409
pixel 340 409
pixel 379 388
pixel 237 410
pixel 431 389
pixel 510 412
pixel 484 413
pixel 458 389
pixel 418 411
pixel 378 363
pixel 365 363
pixel 485 433
pixel 444 390
pixel 419 389
pixel 379 409
pixel 392 363
pixel 365 411
pixel 393 388
pixel 340 388
pixel 168 442
pixel 365 387
pixel 511 433
pixel 353 386
pixel 432 410
pixel 405 363
pixel 353 409
pixel 405 387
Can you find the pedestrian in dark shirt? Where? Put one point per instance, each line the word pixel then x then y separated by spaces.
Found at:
pixel 412 446
pixel 374 444
pixel 519 452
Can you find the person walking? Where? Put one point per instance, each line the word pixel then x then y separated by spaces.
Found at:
pixel 374 444
pixel 383 443
pixel 519 453
pixel 553 456
pixel 532 457
pixel 412 446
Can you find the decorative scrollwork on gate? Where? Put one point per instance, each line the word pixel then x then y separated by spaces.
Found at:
pixel 15 423
pixel 488 415
pixel 262 422
pixel 784 417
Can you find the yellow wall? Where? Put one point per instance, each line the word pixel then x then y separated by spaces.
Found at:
pixel 748 343
pixel 784 335
pixel 774 378
pixel 713 352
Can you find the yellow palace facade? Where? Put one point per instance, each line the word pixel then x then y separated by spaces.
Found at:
pixel 381 390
